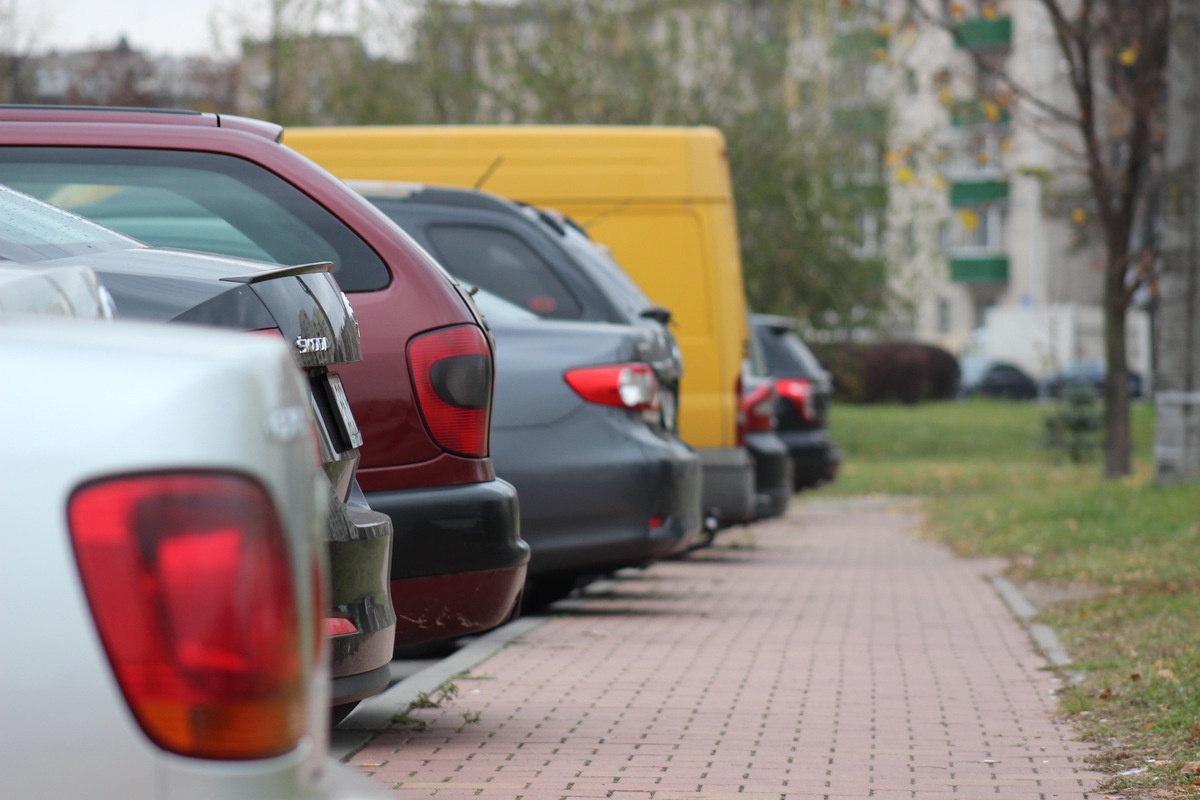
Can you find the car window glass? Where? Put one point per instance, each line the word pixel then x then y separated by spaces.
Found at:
pixel 503 264
pixel 195 201
pixel 32 231
pixel 786 355
pixel 497 308
pixel 617 284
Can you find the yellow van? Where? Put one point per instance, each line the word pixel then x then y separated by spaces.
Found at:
pixel 659 197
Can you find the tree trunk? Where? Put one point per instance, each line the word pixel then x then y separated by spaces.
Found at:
pixel 1177 380
pixel 1118 447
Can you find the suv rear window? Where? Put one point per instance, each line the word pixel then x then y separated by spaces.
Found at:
pixel 195 201
pixel 500 262
pixel 786 355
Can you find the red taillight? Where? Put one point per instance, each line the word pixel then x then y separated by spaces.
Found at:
pixel 740 431
pixel 631 386
pixel 190 583
pixel 799 392
pixel 758 408
pixel 452 371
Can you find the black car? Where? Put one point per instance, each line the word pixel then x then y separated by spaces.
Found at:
pixel 773 467
pixel 534 259
pixel 980 377
pixel 303 305
pixel 803 388
pixel 1090 372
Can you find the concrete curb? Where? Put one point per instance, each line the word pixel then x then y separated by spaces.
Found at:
pixel 1042 635
pixel 375 714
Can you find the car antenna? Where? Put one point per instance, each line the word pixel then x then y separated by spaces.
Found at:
pixel 616 209
pixel 487 173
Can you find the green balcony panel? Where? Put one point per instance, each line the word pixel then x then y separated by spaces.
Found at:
pixel 976 193
pixel 981 269
pixel 984 34
pixel 859 43
pixel 868 119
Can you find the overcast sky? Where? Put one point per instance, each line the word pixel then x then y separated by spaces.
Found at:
pixel 158 27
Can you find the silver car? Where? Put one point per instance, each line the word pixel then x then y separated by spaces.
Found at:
pixel 163 578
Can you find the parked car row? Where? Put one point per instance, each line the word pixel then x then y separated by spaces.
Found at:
pixel 497 411
pixel 983 377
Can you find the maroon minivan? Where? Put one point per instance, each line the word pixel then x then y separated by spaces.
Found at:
pixel 421 393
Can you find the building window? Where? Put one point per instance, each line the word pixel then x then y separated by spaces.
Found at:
pixel 975 229
pixel 943 315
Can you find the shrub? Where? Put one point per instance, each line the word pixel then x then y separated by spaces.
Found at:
pixel 890 372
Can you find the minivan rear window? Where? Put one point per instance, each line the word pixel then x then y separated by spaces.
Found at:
pixel 208 202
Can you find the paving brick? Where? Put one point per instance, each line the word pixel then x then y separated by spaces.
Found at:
pixel 830 653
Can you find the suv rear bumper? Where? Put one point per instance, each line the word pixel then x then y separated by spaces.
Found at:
pixel 728 484
pixel 815 458
pixel 772 474
pixel 458 560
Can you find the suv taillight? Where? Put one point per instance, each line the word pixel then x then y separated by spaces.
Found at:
pixel 758 408
pixel 799 392
pixel 190 584
pixel 452 371
pixel 631 386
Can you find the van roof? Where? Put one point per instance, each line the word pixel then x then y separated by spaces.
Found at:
pixel 608 163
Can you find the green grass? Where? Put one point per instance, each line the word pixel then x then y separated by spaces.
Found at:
pixel 1125 550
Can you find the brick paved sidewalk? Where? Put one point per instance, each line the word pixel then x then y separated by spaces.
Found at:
pixel 828 654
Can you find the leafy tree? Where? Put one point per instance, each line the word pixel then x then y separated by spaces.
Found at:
pixel 1114 56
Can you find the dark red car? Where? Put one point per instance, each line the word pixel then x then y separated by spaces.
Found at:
pixel 421 393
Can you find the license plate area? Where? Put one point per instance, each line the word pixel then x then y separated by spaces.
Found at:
pixel 343 417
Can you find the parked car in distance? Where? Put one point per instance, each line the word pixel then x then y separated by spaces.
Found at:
pixel 421 394
pixel 772 460
pixel 162 478
pixel 303 306
pixel 577 429
pixel 804 389
pixel 1089 372
pixel 981 377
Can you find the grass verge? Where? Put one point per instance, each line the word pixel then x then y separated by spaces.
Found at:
pixel 1112 565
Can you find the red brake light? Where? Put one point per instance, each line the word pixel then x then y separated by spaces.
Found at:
pixel 632 386
pixel 798 391
pixel 758 408
pixel 190 583
pixel 452 372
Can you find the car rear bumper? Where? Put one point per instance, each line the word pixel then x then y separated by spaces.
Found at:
pixel 815 458
pixel 360 555
pixel 728 484
pixel 772 474
pixel 626 499
pixel 458 559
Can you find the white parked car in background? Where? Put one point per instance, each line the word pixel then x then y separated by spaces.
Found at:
pixel 162 585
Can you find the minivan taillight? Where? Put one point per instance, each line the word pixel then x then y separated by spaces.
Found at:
pixel 759 409
pixel 799 392
pixel 631 386
pixel 189 580
pixel 452 370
